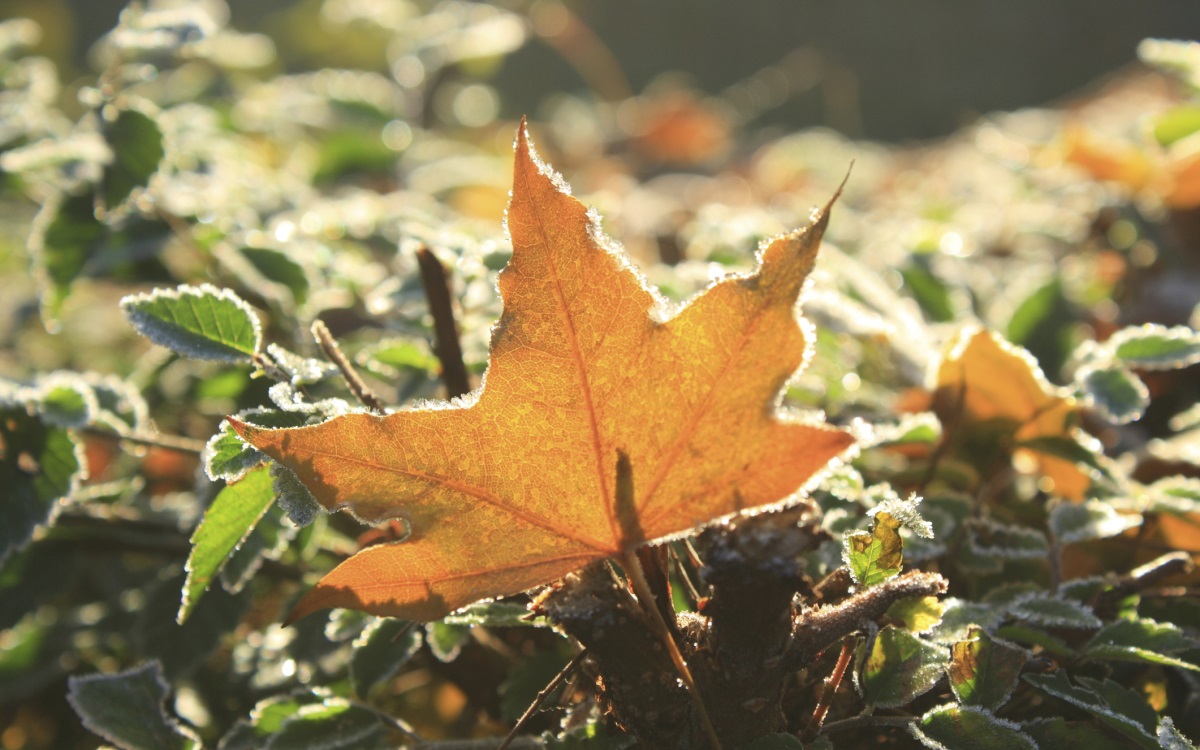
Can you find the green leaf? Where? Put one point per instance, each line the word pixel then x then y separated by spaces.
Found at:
pixel 126 709
pixel 1143 640
pixel 198 322
pixel 953 727
pixel 496 615
pixel 529 677
pixel 1050 611
pixel 333 724
pixel 301 370
pixel 39 466
pixel 228 457
pixel 66 235
pixel 918 614
pixel 446 640
pixel 1116 394
pixel 1092 519
pixel 900 667
pixel 1058 732
pixel 295 499
pixel 930 292
pixel 774 742
pixel 1119 708
pixel 278 267
pixel 226 523
pixel 984 671
pixel 137 147
pixel 876 556
pixel 266 541
pixel 1155 347
pixel 379 652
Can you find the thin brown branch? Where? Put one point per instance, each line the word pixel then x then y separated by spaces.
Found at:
pixel 355 382
pixel 832 683
pixel 542 695
pixel 446 344
pixel 176 443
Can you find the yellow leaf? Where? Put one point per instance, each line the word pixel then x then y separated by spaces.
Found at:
pixel 515 486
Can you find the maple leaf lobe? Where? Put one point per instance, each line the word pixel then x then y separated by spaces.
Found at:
pixel 521 486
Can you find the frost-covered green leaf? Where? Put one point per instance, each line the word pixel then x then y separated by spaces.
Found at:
pixel 1118 707
pixel 301 370
pixel 66 400
pixel 137 148
pixel 1091 519
pixel 900 667
pixel 876 556
pixel 66 236
pixel 200 322
pixel 127 710
pixel 1058 732
pixel 1155 347
pixel 333 724
pixel 983 671
pixel 266 541
pixel 226 523
pixel 954 727
pixel 495 615
pixel 446 640
pixel 379 652
pixel 1144 640
pixel 39 466
pixel 1171 738
pixel 228 457
pixel 295 499
pixel 1048 610
pixel 1176 495
pixel 1006 541
pixel 1114 392
pixel 960 616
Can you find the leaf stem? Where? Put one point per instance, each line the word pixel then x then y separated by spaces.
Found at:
pixel 334 353
pixel 832 683
pixel 641 587
pixel 176 443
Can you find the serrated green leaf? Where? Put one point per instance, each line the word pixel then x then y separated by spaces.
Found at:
pixel 379 652
pixel 66 235
pixel 1114 392
pixel 301 370
pixel 876 556
pixel 331 725
pixel 953 727
pixel 1143 640
pixel 960 616
pixel 1050 611
pixel 1112 704
pixel 900 667
pixel 1155 347
pixel 200 322
pixel 228 457
pixel 39 466
pixel 137 147
pixel 1091 519
pixel 266 541
pixel 295 499
pixel 127 710
pixel 228 521
pixel 1030 636
pixel 984 671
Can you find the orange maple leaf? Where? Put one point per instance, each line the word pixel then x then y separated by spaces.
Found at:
pixel 514 486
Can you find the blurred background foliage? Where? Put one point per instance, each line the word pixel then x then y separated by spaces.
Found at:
pixel 1030 166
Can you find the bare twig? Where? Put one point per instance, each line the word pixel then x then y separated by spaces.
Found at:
pixel 832 683
pixel 175 443
pixel 333 352
pixel 445 328
pixel 541 698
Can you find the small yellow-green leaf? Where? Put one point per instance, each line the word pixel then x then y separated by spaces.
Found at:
pixel 984 671
pixel 900 667
pixel 876 556
pixel 917 614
